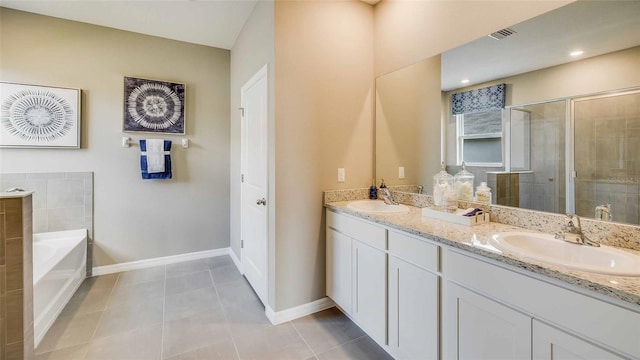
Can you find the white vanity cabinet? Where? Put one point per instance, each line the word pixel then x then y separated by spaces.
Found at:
pixel 482 329
pixel 491 312
pixel 339 287
pixel 357 272
pixel 414 294
pixel 550 343
pixel 420 299
pixel 370 290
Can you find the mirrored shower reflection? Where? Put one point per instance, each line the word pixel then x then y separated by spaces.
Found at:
pixel 607 155
pixel 538 157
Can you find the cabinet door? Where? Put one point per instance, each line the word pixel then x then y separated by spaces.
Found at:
pixel 339 280
pixel 550 343
pixel 413 311
pixel 370 290
pixel 481 328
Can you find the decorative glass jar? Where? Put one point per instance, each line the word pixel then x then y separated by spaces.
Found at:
pixel 483 193
pixel 442 187
pixel 463 184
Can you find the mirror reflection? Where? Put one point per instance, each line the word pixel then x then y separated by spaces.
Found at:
pixel 566 139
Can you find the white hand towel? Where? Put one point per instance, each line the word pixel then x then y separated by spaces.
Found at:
pixel 155 155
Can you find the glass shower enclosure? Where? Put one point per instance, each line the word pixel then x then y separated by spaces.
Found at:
pixel 576 155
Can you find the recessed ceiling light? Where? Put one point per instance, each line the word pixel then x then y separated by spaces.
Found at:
pixel 577 53
pixel 465 81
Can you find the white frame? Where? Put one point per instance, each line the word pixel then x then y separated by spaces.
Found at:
pixel 461 138
pixel 71 96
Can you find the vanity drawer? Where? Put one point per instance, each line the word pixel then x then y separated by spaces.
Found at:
pixel 414 250
pixel 358 229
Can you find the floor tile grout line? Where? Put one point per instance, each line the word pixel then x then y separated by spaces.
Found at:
pixel 115 284
pixel 164 302
pixel 343 344
pixel 224 314
pixel 303 339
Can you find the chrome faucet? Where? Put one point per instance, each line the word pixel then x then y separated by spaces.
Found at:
pixel 572 232
pixel 385 195
pixel 420 189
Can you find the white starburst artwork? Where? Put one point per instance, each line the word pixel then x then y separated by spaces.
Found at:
pixel 153 106
pixel 39 116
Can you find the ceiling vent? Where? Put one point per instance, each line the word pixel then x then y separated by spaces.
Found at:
pixel 501 34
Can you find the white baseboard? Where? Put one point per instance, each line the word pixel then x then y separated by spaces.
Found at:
pixel 165 260
pixel 298 311
pixel 236 260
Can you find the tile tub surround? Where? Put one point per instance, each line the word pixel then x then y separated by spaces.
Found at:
pixel 16 276
pixel 626 290
pixel 61 201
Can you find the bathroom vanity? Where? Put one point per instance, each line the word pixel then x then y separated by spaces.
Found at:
pixel 427 289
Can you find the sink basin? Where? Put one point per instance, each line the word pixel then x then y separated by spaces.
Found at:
pixel 544 247
pixel 376 207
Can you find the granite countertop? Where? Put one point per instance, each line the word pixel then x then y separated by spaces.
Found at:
pixel 16 194
pixel 472 239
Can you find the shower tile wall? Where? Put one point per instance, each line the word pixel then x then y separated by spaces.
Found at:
pixel 607 156
pixel 61 201
pixel 543 188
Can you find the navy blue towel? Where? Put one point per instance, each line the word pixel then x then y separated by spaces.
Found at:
pixel 167 162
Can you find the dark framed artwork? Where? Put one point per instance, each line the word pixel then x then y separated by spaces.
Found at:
pixel 34 116
pixel 153 106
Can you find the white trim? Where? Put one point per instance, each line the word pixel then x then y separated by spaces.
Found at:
pixel 298 311
pixel 165 260
pixel 236 261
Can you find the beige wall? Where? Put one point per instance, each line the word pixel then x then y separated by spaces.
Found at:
pixel 409 31
pixel 253 49
pixel 324 110
pixel 617 70
pixel 134 219
pixel 408 123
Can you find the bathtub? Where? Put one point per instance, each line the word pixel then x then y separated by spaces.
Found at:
pixel 59 267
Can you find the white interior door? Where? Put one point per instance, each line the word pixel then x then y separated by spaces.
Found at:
pixel 254 95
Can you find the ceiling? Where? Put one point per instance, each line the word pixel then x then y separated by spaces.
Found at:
pixel 596 27
pixel 214 23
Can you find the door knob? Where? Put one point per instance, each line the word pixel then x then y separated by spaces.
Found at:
pixel 262 201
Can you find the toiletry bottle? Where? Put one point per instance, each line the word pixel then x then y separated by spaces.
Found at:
pixel 373 190
pixel 483 193
pixel 382 184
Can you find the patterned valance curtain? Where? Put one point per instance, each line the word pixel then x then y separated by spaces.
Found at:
pixel 485 99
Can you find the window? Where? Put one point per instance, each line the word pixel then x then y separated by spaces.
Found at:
pixel 480 138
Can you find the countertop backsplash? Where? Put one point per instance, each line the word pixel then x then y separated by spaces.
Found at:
pixel 604 232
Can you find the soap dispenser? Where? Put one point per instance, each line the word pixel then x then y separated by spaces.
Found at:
pixel 442 186
pixel 382 184
pixel 463 184
pixel 373 190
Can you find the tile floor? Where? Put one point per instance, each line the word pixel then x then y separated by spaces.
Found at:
pixel 202 309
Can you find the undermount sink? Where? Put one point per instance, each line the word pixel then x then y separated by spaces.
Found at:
pixel 546 248
pixel 376 207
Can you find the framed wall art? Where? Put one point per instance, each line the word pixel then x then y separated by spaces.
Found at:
pixel 34 116
pixel 153 106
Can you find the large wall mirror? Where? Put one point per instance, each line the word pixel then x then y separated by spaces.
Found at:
pixel 565 139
